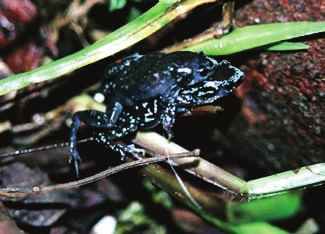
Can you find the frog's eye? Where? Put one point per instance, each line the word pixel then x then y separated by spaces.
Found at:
pixel 210 63
pixel 204 71
pixel 207 66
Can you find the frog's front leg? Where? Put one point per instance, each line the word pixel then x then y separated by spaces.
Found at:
pixel 169 118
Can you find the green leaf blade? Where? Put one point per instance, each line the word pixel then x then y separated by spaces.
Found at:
pixel 131 33
pixel 288 46
pixel 250 37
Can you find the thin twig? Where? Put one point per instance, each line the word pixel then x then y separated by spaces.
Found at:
pixel 23 192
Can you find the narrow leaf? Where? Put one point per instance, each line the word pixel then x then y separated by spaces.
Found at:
pixel 133 32
pixel 257 35
pixel 288 46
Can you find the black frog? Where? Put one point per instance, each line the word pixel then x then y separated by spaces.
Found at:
pixel 143 91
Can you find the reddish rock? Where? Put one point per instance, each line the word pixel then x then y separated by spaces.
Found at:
pixel 281 124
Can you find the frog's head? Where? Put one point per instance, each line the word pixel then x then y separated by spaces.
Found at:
pixel 189 68
pixel 229 76
pixel 206 68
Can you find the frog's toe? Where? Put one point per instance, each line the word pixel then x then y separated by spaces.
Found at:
pixel 135 151
pixel 75 159
pixel 169 135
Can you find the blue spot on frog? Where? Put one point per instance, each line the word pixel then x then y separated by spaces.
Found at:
pixel 143 91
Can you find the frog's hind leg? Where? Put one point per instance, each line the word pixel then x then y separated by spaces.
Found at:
pixel 104 138
pixel 90 117
pixel 124 125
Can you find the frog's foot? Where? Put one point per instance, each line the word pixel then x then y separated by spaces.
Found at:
pixel 134 151
pixel 75 160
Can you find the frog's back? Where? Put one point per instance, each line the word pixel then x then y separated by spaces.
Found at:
pixel 158 74
pixel 148 78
